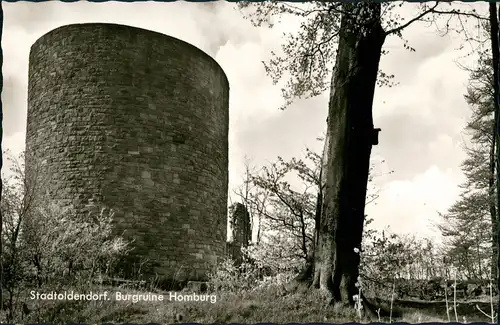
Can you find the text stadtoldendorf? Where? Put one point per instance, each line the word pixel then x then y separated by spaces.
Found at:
pixel 128 297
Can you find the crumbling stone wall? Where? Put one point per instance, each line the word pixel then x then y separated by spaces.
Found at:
pixel 137 121
pixel 240 230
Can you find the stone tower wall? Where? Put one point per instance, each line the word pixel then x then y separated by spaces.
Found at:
pixel 138 121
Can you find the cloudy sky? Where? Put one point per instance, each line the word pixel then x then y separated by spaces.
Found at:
pixel 422 119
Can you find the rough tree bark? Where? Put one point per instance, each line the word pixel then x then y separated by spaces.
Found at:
pixel 348 144
pixel 494 17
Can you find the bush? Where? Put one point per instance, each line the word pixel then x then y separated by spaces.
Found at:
pixel 47 247
pixel 229 277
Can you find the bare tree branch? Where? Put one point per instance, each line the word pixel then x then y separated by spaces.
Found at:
pixel 411 21
pixel 461 13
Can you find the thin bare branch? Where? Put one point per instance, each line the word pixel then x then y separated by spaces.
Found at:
pixel 411 21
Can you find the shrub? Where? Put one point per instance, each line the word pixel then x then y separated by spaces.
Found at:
pixel 48 247
pixel 229 277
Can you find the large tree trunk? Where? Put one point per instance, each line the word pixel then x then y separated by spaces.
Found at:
pixel 349 139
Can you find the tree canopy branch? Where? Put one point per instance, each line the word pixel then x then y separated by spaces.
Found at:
pixel 411 21
pixel 460 13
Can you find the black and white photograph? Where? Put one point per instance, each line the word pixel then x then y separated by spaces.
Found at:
pixel 250 162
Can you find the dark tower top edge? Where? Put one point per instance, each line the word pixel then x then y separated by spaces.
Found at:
pixel 132 30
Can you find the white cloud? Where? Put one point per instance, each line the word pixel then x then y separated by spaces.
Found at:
pixel 421 119
pixel 411 206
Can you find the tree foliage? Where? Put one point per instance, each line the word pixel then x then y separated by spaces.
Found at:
pixel 49 247
pixel 291 186
pixel 288 214
pixel 306 59
pixel 406 260
pixel 467 225
pixel 284 195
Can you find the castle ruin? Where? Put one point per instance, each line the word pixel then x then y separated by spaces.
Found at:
pixel 138 121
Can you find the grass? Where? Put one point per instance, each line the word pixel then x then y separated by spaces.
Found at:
pixel 249 307
pixel 269 304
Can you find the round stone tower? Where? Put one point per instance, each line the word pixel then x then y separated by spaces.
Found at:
pixel 137 121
